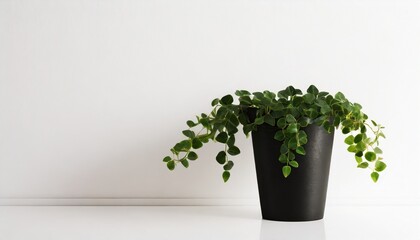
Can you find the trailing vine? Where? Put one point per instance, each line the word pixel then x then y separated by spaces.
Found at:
pixel 290 110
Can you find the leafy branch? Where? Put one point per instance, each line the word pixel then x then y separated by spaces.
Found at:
pixel 290 110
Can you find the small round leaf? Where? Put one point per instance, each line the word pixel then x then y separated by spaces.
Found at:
pixel 222 137
pixel 290 118
pixel 292 128
pixel 192 155
pixel 370 156
pixel 300 150
pixel 358 138
pixel 171 165
pixel 185 163
pixel 349 140
pixel 188 133
pixel 286 171
pixel 196 143
pixel 380 166
pixel 226 176
pixel 233 150
pixel 226 100
pixel 228 165
pixel 221 157
pixel 294 164
pixel 363 165
pixel 374 176
pixel 279 136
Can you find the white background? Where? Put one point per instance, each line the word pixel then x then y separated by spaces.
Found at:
pixel 94 93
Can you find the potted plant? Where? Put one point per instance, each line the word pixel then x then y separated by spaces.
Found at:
pixel 292 135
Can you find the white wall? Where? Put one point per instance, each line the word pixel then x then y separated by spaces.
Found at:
pixel 94 93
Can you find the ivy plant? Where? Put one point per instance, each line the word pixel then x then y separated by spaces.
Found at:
pixel 290 111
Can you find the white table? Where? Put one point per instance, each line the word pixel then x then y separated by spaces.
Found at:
pixel 203 222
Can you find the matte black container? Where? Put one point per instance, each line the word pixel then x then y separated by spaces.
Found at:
pixel 301 196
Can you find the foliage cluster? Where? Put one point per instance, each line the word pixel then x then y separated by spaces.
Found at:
pixel 290 110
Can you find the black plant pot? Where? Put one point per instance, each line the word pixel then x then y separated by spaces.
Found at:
pixel 301 196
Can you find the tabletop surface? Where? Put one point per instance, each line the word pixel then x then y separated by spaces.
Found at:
pixel 203 222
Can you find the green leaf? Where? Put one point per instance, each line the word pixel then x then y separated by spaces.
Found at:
pixel 358 138
pixel 377 150
pixel 231 129
pixel 322 94
pixel 245 100
pixel 294 164
pixel 270 120
pixel 352 148
pixel 370 156
pixel 221 157
pixel 171 165
pixel 381 134
pixel 279 136
pixel 258 95
pixel 247 129
pixel 231 141
pixel 226 176
pixel 286 171
pixel 281 123
pixel 380 166
pixel 325 109
pixel 222 137
pixel 363 129
pixel 374 123
pixel 226 100
pixel 303 138
pixel 283 148
pixel 309 98
pixel 241 93
pixel 167 159
pixel 359 154
pixel 205 122
pixel 374 176
pixel 292 144
pixel 345 130
pixel 347 123
pixel 277 113
pixel 233 150
pixel 304 121
pixel 259 120
pixel 291 156
pixel 336 122
pixel 188 133
pixel 183 146
pixel 300 150
pixel 312 89
pixel 349 140
pixel 196 143
pixel 291 90
pixel 297 101
pixel 228 165
pixel 221 112
pixel 191 124
pixel 290 118
pixel 358 159
pixel 192 155
pixel 215 102
pixel 283 94
pixel 185 163
pixel 363 165
pixel 340 96
pixel 361 146
pixel 283 158
pixel 292 128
